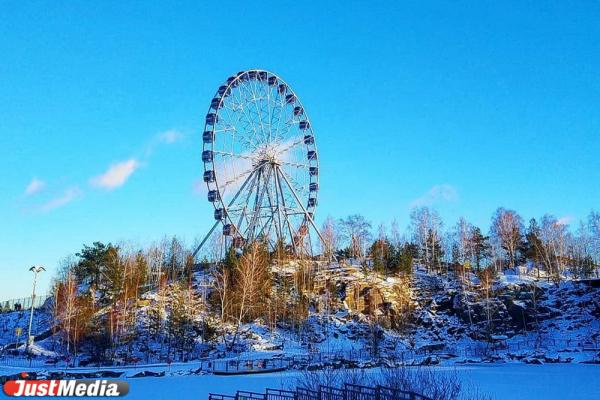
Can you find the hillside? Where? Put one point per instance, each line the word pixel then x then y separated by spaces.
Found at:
pixel 354 317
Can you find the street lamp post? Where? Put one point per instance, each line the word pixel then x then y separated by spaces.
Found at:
pixel 35 269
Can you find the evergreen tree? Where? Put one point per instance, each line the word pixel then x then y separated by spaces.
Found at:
pixel 404 258
pixel 381 253
pixel 533 245
pixel 92 263
pixel 480 247
pixel 113 276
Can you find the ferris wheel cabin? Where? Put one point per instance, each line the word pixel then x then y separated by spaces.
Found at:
pixel 213 195
pixel 207 156
pixel 208 136
pixel 209 176
pixel 219 214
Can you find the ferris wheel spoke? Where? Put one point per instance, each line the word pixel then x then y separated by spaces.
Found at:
pixel 281 103
pixel 278 105
pixel 245 119
pixel 257 101
pixel 231 127
pixel 247 129
pixel 296 165
pixel 291 146
pixel 242 156
pixel 282 132
pixel 269 111
pixel 225 130
pixel 252 100
pixel 264 96
pixel 223 187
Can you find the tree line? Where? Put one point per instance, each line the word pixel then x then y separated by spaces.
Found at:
pixel 548 245
pixel 111 297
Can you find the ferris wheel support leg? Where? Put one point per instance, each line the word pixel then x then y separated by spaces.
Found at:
pixel 307 215
pixel 285 216
pixel 241 189
pixel 250 190
pixel 250 229
pixel 205 239
pixel 260 192
pixel 276 208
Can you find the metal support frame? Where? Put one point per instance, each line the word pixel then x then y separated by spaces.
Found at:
pixel 306 213
pixel 218 222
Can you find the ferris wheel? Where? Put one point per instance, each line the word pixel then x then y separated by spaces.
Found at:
pixel 261 165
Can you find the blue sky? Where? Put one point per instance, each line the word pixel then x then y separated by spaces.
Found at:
pixel 464 106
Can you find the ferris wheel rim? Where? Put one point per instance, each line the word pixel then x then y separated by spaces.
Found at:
pixel 231 84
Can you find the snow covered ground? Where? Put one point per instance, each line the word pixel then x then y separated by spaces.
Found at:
pixel 500 381
pixel 508 381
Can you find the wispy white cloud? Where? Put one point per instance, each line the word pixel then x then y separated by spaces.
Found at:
pixel 170 136
pixel 565 220
pixel 35 186
pixel 116 175
pixel 167 137
pixel 437 193
pixel 65 198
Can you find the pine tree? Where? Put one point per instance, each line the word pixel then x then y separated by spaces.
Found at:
pixel 92 263
pixel 381 253
pixel 533 245
pixel 480 247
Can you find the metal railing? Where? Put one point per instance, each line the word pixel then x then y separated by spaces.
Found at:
pixel 279 394
pixel 249 366
pixel 23 303
pixel 346 392
pixel 23 362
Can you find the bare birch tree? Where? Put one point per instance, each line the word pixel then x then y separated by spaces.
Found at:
pixel 330 237
pixel 426 225
pixel 507 231
pixel 356 231
pixel 252 285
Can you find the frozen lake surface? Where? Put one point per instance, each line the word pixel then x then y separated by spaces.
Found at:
pixel 501 381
